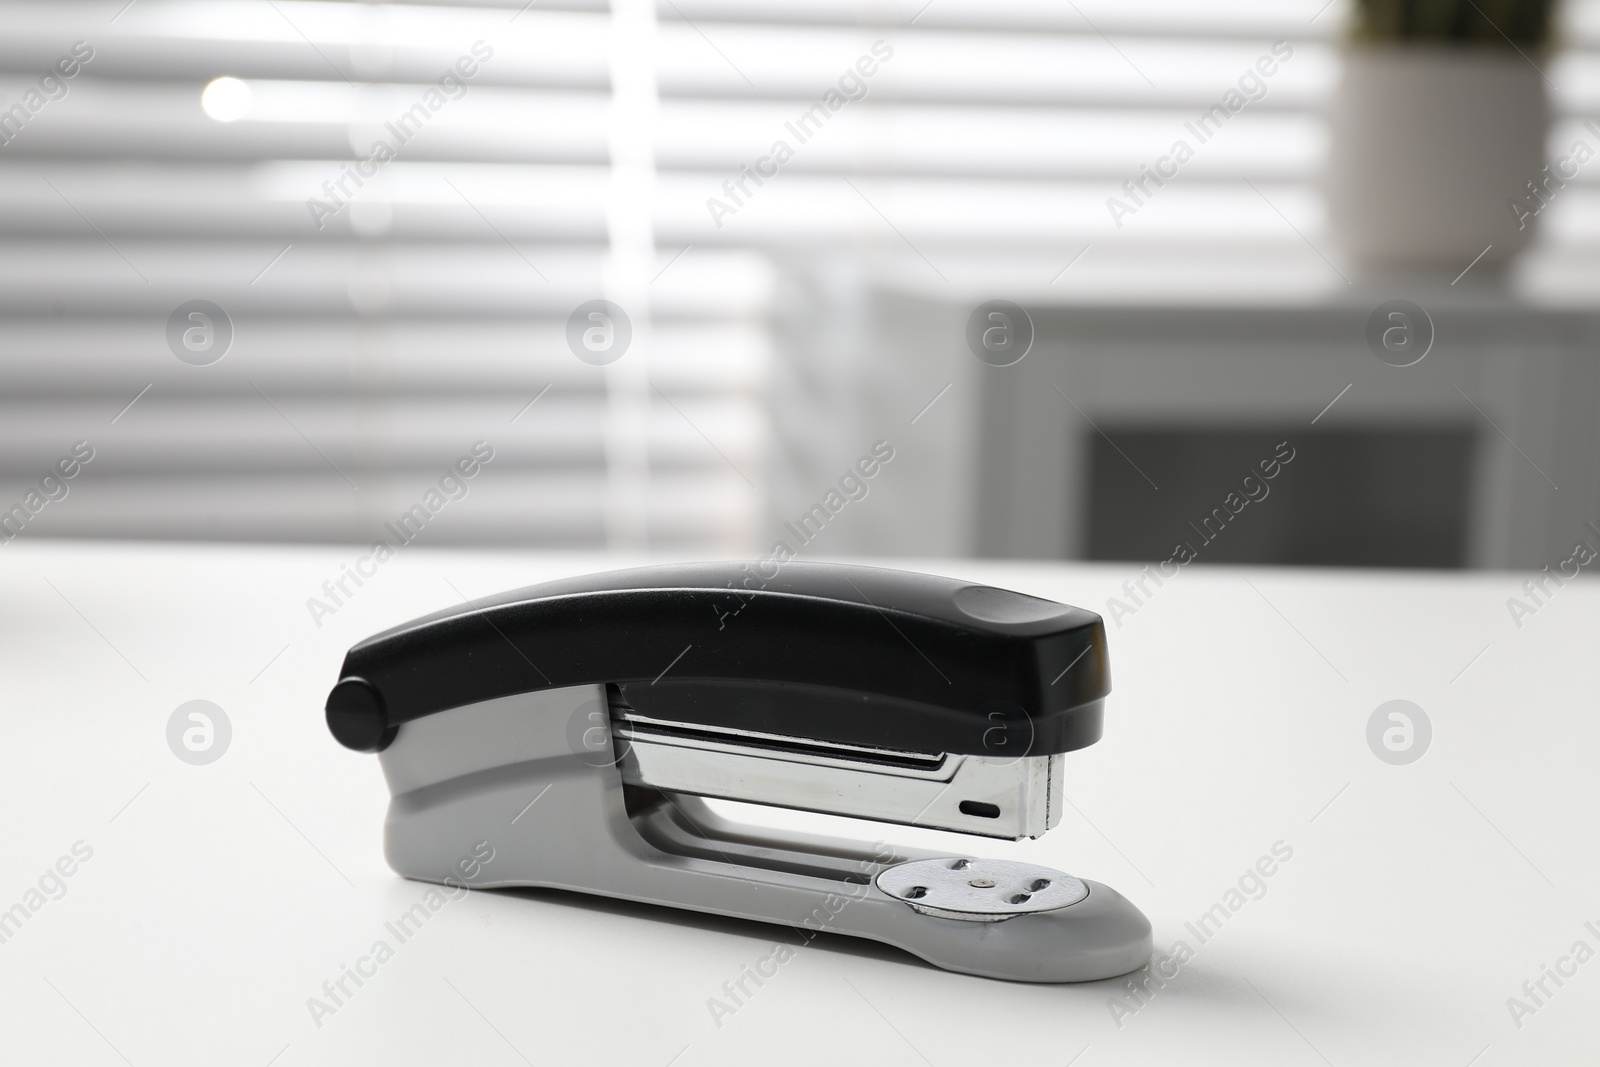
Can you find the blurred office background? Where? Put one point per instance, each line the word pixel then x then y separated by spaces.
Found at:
pixel 776 338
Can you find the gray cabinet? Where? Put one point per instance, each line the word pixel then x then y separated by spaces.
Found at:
pixel 1001 464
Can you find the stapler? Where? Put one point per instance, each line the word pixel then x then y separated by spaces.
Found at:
pixel 577 726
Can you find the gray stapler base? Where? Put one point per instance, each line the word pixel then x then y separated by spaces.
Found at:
pixel 510 773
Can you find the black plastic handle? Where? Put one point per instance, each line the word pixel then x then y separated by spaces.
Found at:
pixel 857 655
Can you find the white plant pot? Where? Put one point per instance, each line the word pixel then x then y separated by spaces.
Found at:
pixel 1429 146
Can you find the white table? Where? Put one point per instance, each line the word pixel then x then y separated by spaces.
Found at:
pixel 219 898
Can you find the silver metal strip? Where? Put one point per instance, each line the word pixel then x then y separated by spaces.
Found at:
pixel 988 796
pixel 937 768
pixel 735 733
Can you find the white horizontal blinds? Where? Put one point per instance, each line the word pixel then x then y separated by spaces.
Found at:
pixel 427 313
pixel 985 150
pixel 990 136
pixel 962 143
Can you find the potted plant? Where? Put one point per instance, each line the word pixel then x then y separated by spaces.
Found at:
pixel 1438 130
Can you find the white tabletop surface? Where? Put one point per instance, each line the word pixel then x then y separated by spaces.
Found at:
pixel 218 899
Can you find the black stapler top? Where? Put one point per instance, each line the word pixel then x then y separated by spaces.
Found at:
pixel 849 655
